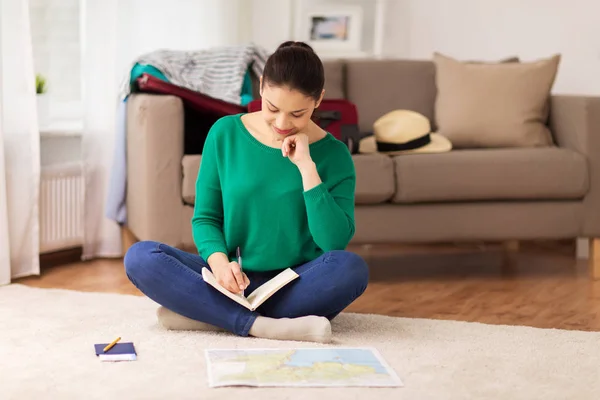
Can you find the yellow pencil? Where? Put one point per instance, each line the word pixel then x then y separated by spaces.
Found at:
pixel 110 346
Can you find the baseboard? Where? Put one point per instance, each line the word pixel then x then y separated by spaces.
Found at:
pixel 60 257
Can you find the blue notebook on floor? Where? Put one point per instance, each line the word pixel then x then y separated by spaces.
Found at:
pixel 120 352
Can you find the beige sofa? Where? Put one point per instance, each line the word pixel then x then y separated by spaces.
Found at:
pixel 483 194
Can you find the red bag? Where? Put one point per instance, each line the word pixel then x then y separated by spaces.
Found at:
pixel 195 100
pixel 337 116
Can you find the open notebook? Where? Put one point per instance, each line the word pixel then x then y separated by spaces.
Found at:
pixel 260 294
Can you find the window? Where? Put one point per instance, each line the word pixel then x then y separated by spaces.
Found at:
pixel 55 31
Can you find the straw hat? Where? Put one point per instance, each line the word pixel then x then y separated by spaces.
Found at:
pixel 401 132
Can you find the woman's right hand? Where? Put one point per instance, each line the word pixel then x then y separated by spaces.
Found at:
pixel 231 277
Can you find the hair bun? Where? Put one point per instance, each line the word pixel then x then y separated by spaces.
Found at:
pixel 293 43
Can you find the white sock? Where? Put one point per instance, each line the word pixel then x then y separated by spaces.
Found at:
pixel 309 329
pixel 173 321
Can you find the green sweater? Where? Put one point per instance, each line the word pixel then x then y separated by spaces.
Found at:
pixel 249 195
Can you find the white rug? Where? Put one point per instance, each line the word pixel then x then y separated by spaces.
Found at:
pixel 47 337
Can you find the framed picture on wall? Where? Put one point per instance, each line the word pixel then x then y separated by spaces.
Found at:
pixel 332 29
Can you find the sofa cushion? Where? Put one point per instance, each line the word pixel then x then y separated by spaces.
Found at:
pixel 494 104
pixel 190 166
pixel 491 174
pixel 375 181
pixel 380 86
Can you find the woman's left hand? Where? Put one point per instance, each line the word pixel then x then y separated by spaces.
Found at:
pixel 295 147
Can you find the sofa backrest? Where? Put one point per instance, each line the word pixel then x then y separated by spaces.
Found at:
pixel 334 81
pixel 335 86
pixel 380 86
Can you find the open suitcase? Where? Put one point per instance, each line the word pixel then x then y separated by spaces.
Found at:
pixel 149 84
pixel 337 116
pixel 200 111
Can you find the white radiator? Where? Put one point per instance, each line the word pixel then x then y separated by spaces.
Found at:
pixel 61 207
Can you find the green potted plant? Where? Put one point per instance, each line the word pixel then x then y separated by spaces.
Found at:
pixel 41 90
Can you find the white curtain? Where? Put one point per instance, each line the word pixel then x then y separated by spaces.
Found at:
pixel 19 146
pixel 115 32
pixel 100 84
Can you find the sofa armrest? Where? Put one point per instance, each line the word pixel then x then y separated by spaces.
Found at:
pixel 155 144
pixel 575 124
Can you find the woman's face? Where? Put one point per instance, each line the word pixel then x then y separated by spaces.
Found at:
pixel 286 111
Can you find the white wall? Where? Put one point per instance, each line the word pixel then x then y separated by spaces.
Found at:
pixel 396 40
pixel 147 25
pixel 475 29
pixel 271 22
pixel 530 29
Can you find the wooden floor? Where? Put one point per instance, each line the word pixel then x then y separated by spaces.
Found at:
pixel 541 285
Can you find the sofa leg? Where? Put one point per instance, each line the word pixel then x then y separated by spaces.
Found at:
pixel 509 262
pixel 594 258
pixel 511 246
pixel 127 239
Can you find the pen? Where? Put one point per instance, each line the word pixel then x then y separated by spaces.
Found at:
pixel 110 346
pixel 239 258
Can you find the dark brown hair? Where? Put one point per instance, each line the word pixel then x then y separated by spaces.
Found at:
pixel 296 65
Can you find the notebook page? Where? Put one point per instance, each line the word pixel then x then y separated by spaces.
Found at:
pixel 262 293
pixel 212 281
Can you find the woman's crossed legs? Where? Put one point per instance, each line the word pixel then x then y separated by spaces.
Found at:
pixel 173 279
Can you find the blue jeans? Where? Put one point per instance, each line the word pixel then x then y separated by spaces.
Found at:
pixel 173 279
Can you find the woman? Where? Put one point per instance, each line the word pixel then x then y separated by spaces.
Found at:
pixel 277 186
